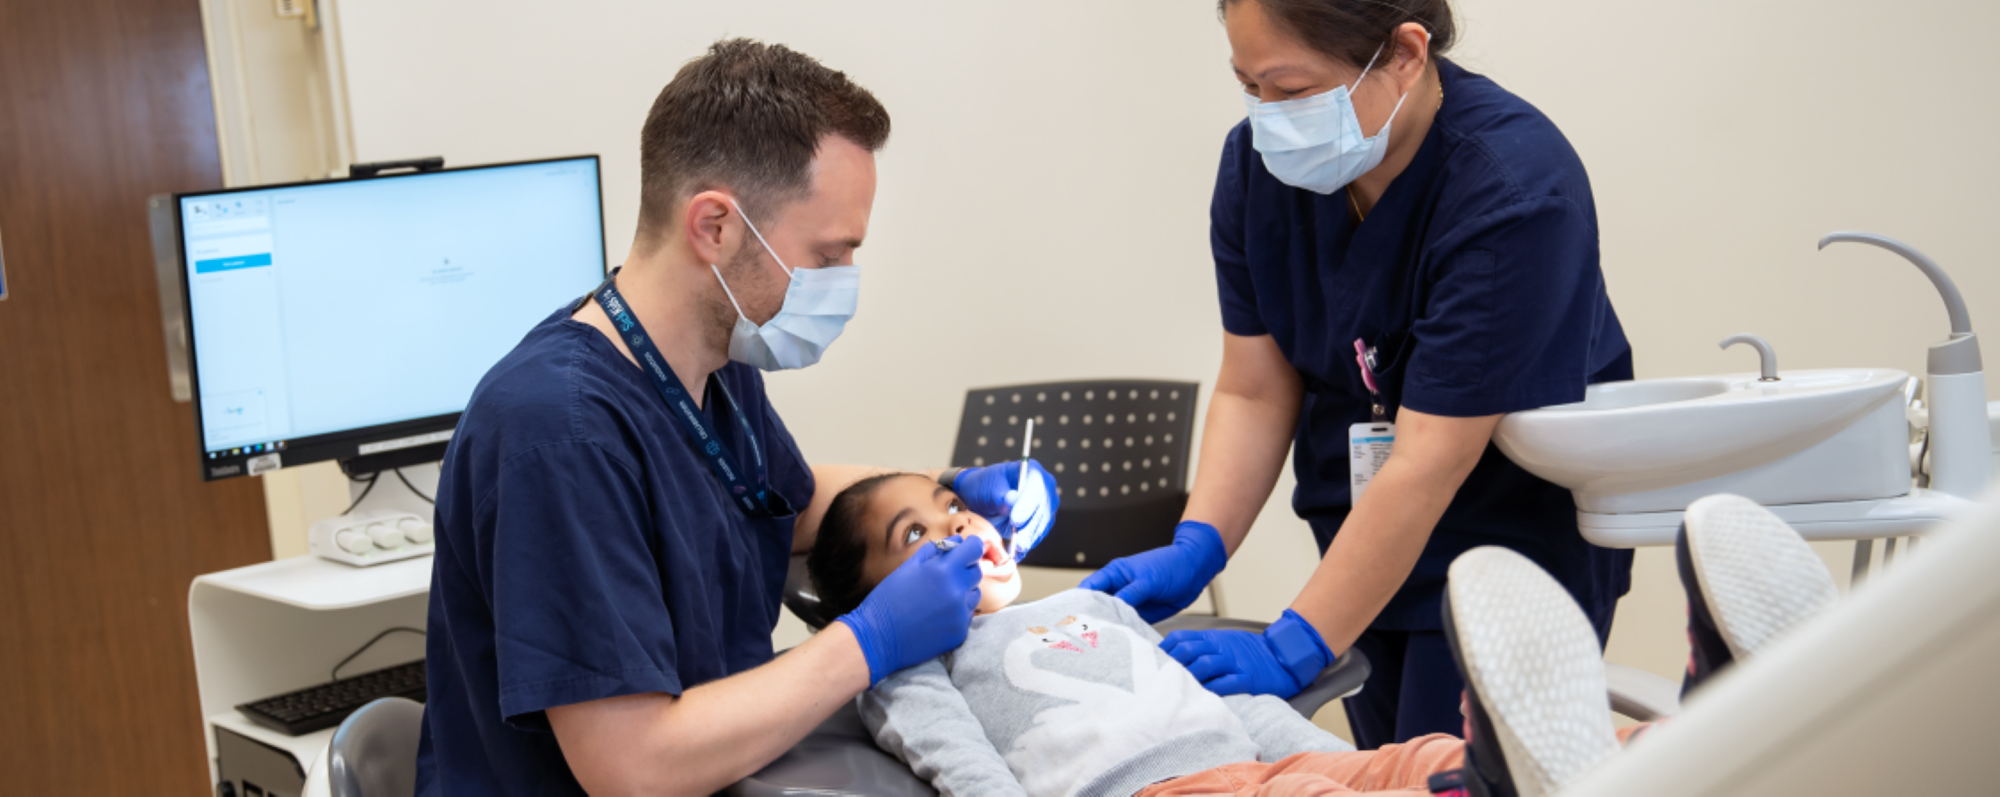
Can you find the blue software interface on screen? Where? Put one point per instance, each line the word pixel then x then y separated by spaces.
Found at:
pixel 337 306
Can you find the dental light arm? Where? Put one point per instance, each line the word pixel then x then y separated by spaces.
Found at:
pixel 1961 455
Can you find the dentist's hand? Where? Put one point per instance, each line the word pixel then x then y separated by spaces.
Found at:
pixel 1281 661
pixel 1161 582
pixel 920 611
pixel 1021 511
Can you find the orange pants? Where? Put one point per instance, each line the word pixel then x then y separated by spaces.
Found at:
pixel 1394 769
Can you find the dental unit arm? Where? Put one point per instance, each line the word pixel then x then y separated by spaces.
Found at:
pixel 1960 443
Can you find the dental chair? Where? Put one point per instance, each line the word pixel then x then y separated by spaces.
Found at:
pixel 1119 450
pixel 1890 691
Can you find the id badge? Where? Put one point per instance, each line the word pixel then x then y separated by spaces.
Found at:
pixel 1368 446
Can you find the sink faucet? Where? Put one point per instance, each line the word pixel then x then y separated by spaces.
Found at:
pixel 1960 446
pixel 1766 358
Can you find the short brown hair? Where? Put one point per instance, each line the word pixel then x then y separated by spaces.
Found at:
pixel 747 116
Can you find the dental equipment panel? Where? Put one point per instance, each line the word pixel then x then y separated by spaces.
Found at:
pixel 1827 450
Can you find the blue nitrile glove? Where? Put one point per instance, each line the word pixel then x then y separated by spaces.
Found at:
pixel 1281 661
pixel 1161 582
pixel 921 611
pixel 1022 516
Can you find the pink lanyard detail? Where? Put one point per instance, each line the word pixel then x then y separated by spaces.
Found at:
pixel 1362 357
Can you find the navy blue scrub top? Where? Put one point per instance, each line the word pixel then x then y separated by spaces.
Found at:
pixel 1476 277
pixel 585 551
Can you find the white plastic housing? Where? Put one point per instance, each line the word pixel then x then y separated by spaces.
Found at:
pixel 1960 435
pixel 386 536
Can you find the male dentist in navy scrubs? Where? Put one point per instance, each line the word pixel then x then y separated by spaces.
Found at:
pixel 620 500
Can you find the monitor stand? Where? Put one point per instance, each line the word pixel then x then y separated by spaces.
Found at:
pixel 390 493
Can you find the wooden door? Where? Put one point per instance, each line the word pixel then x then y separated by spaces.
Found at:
pixel 103 517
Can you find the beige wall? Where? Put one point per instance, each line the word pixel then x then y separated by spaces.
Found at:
pixel 1049 176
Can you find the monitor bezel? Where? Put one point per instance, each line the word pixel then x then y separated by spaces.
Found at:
pixel 346 444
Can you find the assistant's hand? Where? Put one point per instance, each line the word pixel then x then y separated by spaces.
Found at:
pixel 920 612
pixel 1281 661
pixel 1161 582
pixel 1021 511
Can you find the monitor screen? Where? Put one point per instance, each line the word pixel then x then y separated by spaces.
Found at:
pixel 346 318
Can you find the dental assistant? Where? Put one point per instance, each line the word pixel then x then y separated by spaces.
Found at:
pixel 1403 250
pixel 620 500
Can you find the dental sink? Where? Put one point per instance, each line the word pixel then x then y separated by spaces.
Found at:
pixel 1656 445
pixel 1831 452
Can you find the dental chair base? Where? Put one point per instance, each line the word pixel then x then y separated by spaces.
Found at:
pixel 1917 513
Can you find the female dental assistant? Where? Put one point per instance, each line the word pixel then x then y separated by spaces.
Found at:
pixel 1398 243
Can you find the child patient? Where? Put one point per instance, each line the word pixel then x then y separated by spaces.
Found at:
pixel 1071 694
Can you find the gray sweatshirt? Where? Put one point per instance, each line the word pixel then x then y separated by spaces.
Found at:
pixel 1071 695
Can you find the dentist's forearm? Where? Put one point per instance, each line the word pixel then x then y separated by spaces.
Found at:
pixel 1379 544
pixel 714 734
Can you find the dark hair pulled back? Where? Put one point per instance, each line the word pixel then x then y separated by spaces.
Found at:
pixel 1352 31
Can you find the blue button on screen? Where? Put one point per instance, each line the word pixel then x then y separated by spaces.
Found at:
pixel 232 263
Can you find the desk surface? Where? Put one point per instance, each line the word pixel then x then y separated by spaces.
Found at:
pixel 309 582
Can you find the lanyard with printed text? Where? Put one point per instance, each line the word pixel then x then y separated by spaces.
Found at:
pixel 757 499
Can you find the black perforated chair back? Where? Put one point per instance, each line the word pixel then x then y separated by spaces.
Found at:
pixel 1117 448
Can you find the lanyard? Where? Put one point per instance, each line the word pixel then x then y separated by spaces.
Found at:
pixel 758 500
pixel 1364 356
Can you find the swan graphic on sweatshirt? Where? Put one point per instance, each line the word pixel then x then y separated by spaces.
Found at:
pixel 1101 715
pixel 1070 696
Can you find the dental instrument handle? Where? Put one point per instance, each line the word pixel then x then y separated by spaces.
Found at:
pixel 1766 358
pixel 1027 449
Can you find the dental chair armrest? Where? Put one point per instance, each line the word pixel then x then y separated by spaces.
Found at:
pixel 1341 678
pixel 838 759
pixel 1641 695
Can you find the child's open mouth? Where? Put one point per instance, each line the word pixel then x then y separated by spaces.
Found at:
pixel 994 562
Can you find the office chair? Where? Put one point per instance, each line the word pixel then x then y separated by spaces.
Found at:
pixel 1119 450
pixel 372 754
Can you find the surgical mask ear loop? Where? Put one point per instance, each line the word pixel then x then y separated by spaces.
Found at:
pixel 760 239
pixel 767 247
pixel 1357 85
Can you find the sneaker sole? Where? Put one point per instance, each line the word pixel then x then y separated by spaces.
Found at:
pixel 1532 658
pixel 1757 576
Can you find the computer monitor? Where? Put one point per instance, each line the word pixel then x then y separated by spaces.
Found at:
pixel 351 319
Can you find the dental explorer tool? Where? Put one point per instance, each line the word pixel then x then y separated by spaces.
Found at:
pixel 1027 449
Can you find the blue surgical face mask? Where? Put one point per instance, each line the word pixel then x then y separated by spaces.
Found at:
pixel 818 304
pixel 1315 142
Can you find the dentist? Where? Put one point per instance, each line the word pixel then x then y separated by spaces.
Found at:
pixel 619 504
pixel 1405 252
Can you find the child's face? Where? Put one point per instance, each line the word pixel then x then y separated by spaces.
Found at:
pixel 908 512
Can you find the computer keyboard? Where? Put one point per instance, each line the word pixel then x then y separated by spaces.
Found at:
pixel 324 706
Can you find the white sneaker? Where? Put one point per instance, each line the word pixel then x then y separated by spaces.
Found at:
pixel 1749 577
pixel 1534 676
